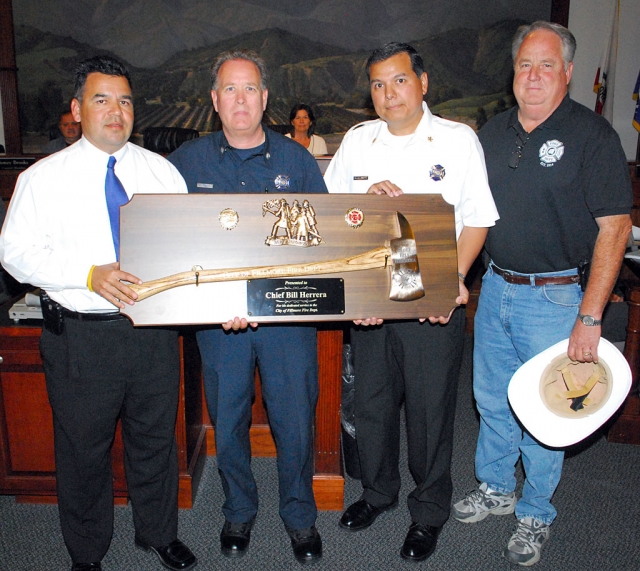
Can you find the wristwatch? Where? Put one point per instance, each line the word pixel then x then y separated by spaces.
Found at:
pixel 589 320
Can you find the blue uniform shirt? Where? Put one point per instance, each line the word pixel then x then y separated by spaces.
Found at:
pixel 209 164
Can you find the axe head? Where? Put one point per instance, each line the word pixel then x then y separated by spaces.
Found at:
pixel 406 283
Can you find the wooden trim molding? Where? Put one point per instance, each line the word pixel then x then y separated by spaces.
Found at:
pixel 9 81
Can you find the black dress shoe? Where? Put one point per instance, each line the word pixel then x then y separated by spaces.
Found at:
pixel 362 514
pixel 87 566
pixel 307 544
pixel 420 542
pixel 234 538
pixel 176 556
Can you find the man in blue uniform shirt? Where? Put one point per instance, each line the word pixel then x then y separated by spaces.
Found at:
pixel 246 158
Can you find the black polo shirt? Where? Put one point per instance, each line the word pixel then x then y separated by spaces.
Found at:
pixel 572 170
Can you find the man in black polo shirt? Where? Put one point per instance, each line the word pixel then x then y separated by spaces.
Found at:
pixel 561 183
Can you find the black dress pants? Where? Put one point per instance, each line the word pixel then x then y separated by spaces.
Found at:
pixel 418 363
pixel 97 372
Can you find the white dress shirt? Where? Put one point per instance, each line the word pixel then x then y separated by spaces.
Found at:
pixel 57 225
pixel 369 154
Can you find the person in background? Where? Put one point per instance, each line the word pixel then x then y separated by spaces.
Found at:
pixel 409 150
pixel 244 157
pixel 70 131
pixel 304 123
pixel 61 234
pixel 561 182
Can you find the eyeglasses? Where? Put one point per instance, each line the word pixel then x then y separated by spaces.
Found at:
pixel 514 159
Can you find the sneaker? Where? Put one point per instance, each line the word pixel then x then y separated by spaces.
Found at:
pixel 477 505
pixel 526 542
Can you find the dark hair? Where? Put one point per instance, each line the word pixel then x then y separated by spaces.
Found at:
pixel 97 64
pixel 566 37
pixel 63 113
pixel 391 49
pixel 248 55
pixel 303 107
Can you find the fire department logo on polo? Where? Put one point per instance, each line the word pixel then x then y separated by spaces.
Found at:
pixel 551 152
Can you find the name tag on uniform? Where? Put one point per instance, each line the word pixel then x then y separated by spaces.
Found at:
pixel 360 178
pixel 204 185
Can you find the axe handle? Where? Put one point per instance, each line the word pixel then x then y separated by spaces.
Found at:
pixel 377 258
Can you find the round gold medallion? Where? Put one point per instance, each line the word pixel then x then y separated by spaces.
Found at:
pixel 228 218
pixel 354 217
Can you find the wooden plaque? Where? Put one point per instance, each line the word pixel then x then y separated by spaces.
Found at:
pixel 162 235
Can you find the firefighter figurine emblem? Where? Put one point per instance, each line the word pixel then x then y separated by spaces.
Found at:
pixel 295 224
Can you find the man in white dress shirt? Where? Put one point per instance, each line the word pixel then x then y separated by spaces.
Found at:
pixel 408 150
pixel 58 235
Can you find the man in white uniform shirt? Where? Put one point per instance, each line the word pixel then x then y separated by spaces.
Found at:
pixel 408 150
pixel 59 236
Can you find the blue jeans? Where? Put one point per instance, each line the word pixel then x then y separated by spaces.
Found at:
pixel 513 324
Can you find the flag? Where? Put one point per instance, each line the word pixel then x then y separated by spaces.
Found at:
pixel 636 96
pixel 605 75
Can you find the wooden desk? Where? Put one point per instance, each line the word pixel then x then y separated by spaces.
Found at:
pixel 27 466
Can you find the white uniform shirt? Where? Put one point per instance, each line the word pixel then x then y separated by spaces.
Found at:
pixel 369 154
pixel 57 225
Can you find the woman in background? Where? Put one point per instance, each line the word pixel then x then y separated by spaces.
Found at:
pixel 303 121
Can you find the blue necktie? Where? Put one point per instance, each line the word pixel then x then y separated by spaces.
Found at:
pixel 116 197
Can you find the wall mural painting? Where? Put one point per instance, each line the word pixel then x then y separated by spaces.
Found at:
pixel 315 52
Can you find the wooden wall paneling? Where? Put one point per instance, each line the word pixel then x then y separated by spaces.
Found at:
pixel 328 481
pixel 625 426
pixel 27 463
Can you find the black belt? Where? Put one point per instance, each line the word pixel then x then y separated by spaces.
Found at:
pixel 113 316
pixel 512 278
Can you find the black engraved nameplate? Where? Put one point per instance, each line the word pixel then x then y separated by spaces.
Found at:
pixel 295 296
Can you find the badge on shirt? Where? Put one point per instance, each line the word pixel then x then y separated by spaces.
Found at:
pixel 437 172
pixel 282 182
pixel 551 152
pixel 360 178
pixel 204 185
